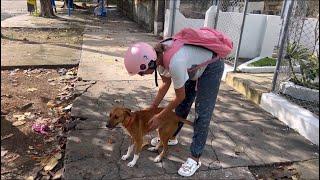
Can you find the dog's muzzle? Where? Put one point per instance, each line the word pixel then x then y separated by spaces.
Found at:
pixel 109 125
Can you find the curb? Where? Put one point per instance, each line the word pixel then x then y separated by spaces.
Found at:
pixel 294 116
pixel 297 118
pixel 55 66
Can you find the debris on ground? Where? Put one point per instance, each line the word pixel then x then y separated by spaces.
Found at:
pixel 49 123
pixel 6 136
pixel 275 171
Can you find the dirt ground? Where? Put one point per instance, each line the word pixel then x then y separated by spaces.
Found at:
pixel 27 98
pixel 48 36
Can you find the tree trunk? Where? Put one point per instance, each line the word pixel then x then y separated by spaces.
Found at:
pixel 46 8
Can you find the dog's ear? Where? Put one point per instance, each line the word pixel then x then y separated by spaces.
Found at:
pixel 127 111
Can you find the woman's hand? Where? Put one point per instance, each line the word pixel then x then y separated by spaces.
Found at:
pixel 152 107
pixel 154 122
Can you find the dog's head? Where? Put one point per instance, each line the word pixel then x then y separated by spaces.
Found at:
pixel 116 116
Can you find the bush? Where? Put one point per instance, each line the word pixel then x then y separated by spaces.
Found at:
pixel 309 65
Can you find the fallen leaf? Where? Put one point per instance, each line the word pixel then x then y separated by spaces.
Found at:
pixel 67 108
pixel 6 136
pixel 44 99
pixel 239 149
pixel 3 153
pixel 16 156
pixel 6 95
pixel 52 162
pixel 27 113
pixel 19 117
pixel 30 178
pixel 4 112
pixel 26 106
pixel 18 123
pixel 62 71
pixel 71 73
pixel 58 174
pixel 117 100
pixel 32 89
pixel 110 141
pixel 51 104
pixel 5 171
pixel 49 139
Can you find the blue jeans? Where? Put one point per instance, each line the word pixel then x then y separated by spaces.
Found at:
pixel 205 96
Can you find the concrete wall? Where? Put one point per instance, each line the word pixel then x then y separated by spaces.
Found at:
pixel 126 7
pixel 141 11
pixel 260 34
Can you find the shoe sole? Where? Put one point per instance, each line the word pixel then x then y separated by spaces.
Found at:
pixel 184 175
pixel 168 144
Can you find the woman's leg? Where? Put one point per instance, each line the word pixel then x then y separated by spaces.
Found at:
pixel 206 95
pixel 184 107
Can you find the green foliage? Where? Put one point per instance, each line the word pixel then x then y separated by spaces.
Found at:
pixel 267 61
pixel 308 62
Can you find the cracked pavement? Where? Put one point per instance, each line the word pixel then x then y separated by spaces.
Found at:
pixel 241 134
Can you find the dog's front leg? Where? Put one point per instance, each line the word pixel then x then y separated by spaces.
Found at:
pixel 137 148
pixel 129 151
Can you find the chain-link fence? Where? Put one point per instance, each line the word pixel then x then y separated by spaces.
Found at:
pixel 195 9
pixel 297 74
pixel 229 19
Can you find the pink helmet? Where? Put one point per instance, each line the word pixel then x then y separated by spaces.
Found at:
pixel 138 56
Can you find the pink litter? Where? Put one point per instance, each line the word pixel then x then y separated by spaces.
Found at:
pixel 40 128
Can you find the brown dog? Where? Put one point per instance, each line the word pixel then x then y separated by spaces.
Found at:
pixel 136 124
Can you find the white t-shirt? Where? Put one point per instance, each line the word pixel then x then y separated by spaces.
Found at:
pixel 185 58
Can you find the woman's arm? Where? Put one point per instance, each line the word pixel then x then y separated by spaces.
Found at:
pixel 162 91
pixel 180 95
pixel 155 121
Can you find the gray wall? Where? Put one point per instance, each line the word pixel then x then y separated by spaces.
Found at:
pixel 141 11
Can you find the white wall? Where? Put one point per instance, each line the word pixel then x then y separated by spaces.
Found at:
pixel 182 22
pixel 271 35
pixel 260 35
pixel 253 33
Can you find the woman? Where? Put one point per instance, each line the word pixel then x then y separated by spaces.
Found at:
pixel 201 86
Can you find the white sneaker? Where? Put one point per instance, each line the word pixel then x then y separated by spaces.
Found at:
pixel 189 167
pixel 155 141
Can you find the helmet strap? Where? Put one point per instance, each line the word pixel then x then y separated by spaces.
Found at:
pixel 156 77
pixel 153 65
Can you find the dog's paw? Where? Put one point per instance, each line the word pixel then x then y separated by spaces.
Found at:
pixel 152 149
pixel 131 164
pixel 157 159
pixel 124 157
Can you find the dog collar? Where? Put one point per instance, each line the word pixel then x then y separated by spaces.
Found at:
pixel 129 123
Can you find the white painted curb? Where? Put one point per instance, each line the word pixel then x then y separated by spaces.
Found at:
pixel 292 115
pixel 264 69
pixel 227 68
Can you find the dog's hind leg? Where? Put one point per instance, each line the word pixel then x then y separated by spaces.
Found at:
pixel 152 149
pixel 164 141
pixel 156 148
pixel 137 150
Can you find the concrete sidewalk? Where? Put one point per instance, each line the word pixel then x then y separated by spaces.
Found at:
pixel 241 134
pixel 45 42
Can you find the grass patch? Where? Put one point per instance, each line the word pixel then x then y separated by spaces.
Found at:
pixel 267 61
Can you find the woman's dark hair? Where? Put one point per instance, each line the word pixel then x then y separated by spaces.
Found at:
pixel 159 48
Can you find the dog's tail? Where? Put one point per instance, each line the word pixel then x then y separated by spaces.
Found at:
pixel 186 122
